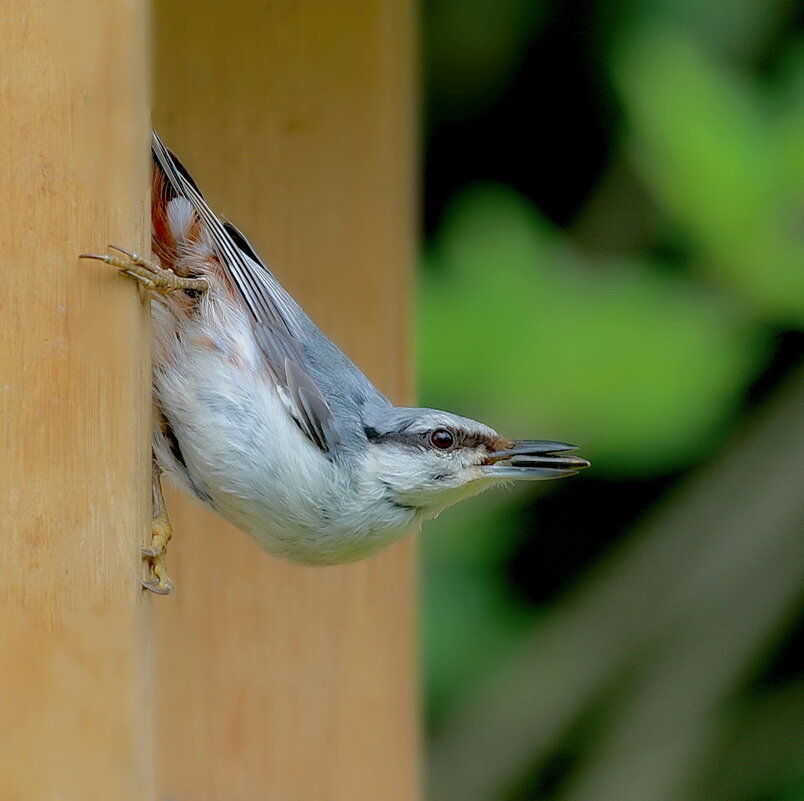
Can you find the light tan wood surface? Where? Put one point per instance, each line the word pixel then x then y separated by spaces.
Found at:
pixel 75 665
pixel 280 682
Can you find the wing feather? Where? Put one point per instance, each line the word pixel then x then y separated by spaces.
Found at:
pixel 274 315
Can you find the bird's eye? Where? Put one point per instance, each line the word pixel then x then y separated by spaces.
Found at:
pixel 442 439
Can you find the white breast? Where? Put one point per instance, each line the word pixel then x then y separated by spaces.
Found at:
pixel 245 455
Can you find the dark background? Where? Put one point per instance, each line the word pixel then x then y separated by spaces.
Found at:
pixel 614 256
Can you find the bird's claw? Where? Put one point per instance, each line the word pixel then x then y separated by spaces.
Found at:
pixel 146 273
pixel 158 587
pixel 161 532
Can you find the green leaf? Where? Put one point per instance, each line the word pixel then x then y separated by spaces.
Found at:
pixel 710 153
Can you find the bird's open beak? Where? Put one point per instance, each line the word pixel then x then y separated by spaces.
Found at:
pixel 533 460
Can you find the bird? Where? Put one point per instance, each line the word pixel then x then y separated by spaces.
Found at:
pixel 258 415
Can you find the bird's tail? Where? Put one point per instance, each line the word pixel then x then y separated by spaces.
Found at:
pixel 176 228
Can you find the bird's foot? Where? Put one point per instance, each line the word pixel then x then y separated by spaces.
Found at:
pixel 161 532
pixel 149 275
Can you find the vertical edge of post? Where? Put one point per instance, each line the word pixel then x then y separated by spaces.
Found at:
pixel 74 405
pixel 274 681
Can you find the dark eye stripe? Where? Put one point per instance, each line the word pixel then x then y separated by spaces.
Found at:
pixel 462 439
pixel 400 437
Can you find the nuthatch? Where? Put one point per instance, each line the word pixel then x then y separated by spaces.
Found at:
pixel 261 417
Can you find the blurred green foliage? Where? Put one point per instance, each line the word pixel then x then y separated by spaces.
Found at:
pixel 643 354
pixel 472 50
pixel 724 161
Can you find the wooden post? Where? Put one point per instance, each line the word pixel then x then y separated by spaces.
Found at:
pixel 74 405
pixel 274 681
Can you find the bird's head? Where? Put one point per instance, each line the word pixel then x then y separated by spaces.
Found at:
pixel 426 460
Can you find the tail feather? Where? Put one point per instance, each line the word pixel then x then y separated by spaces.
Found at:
pixel 175 225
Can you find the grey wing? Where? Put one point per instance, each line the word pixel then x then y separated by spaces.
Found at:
pixel 276 318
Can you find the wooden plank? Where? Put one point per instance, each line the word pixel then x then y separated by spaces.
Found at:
pixel 275 681
pixel 74 405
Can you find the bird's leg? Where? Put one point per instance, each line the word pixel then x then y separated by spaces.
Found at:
pixel 148 274
pixel 161 532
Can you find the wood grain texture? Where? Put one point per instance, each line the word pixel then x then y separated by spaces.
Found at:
pixel 74 405
pixel 274 681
